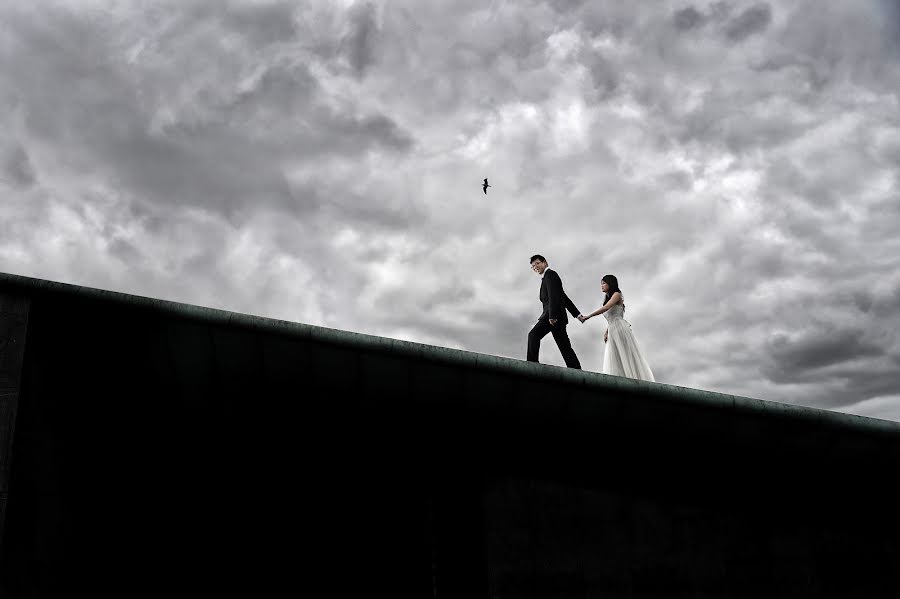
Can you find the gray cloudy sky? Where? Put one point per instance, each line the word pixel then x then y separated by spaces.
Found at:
pixel 735 164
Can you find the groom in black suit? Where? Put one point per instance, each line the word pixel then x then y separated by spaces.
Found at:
pixel 553 319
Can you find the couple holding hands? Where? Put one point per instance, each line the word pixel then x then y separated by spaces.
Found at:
pixel 621 357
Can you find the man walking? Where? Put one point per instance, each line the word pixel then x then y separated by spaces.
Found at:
pixel 553 319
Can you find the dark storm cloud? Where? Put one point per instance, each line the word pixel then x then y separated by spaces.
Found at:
pixel 279 91
pixel 378 127
pixel 791 359
pixel 359 44
pixel 605 76
pixel 688 18
pixel 126 251
pixel 263 23
pixel 750 21
pixel 17 168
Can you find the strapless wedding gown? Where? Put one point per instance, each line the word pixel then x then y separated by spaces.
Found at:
pixel 622 356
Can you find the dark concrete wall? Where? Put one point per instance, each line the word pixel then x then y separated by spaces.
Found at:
pixel 168 448
pixel 13 323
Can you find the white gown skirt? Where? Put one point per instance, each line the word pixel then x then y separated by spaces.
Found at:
pixel 622 356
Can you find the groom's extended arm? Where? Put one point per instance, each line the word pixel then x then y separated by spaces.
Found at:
pixel 570 306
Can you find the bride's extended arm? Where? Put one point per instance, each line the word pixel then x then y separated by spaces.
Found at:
pixel 612 302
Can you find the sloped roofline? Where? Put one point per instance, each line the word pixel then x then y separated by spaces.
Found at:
pixel 22 285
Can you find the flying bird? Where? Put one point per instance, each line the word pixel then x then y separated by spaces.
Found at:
pixel 485 186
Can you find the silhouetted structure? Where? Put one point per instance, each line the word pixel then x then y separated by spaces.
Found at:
pixel 164 448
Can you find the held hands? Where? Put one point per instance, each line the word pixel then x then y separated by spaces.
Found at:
pixel 582 318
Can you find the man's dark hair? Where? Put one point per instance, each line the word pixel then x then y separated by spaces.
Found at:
pixel 537 257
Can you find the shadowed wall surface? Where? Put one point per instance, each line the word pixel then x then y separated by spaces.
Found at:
pixel 156 447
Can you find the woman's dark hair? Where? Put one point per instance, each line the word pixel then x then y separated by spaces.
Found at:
pixel 613 283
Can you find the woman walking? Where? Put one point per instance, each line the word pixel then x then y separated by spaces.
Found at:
pixel 622 356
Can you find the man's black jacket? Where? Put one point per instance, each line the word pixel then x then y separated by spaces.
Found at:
pixel 555 299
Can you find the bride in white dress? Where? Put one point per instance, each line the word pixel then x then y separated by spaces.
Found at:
pixel 622 356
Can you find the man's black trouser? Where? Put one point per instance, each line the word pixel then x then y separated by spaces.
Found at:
pixel 559 335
